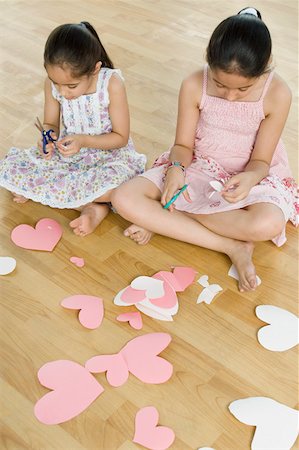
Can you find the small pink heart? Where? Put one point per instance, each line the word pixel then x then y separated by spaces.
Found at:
pixel 79 262
pixel 115 365
pixel 134 319
pixel 73 390
pixel 44 236
pixel 91 309
pixel 148 434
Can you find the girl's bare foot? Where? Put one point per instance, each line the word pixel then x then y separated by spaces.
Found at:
pixel 91 216
pixel 138 234
pixel 241 257
pixel 19 198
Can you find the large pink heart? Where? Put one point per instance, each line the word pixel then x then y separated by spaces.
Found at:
pixel 148 434
pixel 44 236
pixel 139 357
pixel 91 309
pixel 73 390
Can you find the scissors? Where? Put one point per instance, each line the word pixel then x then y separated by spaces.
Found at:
pixel 46 135
pixel 173 199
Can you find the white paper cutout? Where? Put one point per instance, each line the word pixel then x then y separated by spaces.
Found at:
pixel 205 448
pixel 209 291
pixel 282 333
pixel 277 425
pixel 217 186
pixel 234 274
pixel 7 265
pixel 153 288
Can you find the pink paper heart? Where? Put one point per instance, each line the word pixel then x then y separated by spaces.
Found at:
pixel 91 309
pixel 115 365
pixel 132 296
pixel 139 356
pixel 148 434
pixel 73 390
pixel 79 262
pixel 44 236
pixel 134 318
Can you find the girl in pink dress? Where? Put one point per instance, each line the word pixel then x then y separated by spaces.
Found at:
pixel 94 153
pixel 230 119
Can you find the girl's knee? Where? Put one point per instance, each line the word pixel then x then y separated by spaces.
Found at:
pixel 266 227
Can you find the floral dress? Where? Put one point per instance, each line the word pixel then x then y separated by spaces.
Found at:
pixel 224 139
pixel 71 182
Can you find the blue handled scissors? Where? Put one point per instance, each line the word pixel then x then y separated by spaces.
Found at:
pixel 46 135
pixel 173 199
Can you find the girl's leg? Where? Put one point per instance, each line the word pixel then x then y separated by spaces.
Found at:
pixel 91 216
pixel 19 198
pixel 258 222
pixel 137 201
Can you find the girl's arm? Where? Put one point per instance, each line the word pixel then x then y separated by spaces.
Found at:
pixel 51 119
pixel 182 151
pixel 277 103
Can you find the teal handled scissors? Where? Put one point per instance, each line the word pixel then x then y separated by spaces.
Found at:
pixel 173 199
pixel 46 135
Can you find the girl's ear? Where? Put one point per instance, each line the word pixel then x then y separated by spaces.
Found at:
pixel 97 67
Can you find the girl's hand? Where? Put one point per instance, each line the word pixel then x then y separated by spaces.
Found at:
pixel 70 145
pixel 49 148
pixel 174 181
pixel 237 187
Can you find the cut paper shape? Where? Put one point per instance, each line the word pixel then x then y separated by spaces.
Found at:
pixel 139 356
pixel 79 262
pixel 91 309
pixel 163 307
pixel 217 186
pixel 209 291
pixel 73 390
pixel 277 425
pixel 134 318
pixel 7 265
pixel 234 274
pixel 45 236
pixel 148 433
pixel 282 333
pixel 205 448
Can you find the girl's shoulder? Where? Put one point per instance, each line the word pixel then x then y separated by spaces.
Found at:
pixel 192 85
pixel 278 94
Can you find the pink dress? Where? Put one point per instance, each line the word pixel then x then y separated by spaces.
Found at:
pixel 224 140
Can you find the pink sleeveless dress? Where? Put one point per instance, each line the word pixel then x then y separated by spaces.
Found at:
pixel 224 140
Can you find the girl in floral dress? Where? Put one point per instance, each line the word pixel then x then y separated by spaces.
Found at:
pixel 94 153
pixel 230 119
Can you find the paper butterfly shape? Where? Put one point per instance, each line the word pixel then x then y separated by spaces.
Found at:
pixel 73 390
pixel 148 433
pixel 217 186
pixel 277 425
pixel 156 295
pixel 7 265
pixel 139 356
pixel 91 309
pixel 282 333
pixel 209 291
pixel 46 234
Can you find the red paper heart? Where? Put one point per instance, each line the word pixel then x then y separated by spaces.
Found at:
pixel 44 236
pixel 73 390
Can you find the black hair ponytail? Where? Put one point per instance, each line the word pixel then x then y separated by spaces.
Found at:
pixel 241 44
pixel 77 46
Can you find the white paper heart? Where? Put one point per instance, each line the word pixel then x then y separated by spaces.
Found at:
pixel 209 291
pixel 154 288
pixel 203 281
pixel 282 333
pixel 277 425
pixel 7 265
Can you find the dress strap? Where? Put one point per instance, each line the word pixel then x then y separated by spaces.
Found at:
pixel 204 86
pixel 266 86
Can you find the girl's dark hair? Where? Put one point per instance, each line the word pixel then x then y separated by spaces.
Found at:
pixel 78 46
pixel 240 44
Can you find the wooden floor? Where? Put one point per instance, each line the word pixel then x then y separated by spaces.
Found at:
pixel 214 350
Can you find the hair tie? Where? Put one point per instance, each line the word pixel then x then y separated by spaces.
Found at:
pixel 82 24
pixel 251 11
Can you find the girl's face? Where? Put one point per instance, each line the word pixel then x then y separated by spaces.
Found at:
pixel 232 86
pixel 69 86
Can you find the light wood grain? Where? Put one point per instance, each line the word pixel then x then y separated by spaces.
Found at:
pixel 214 350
